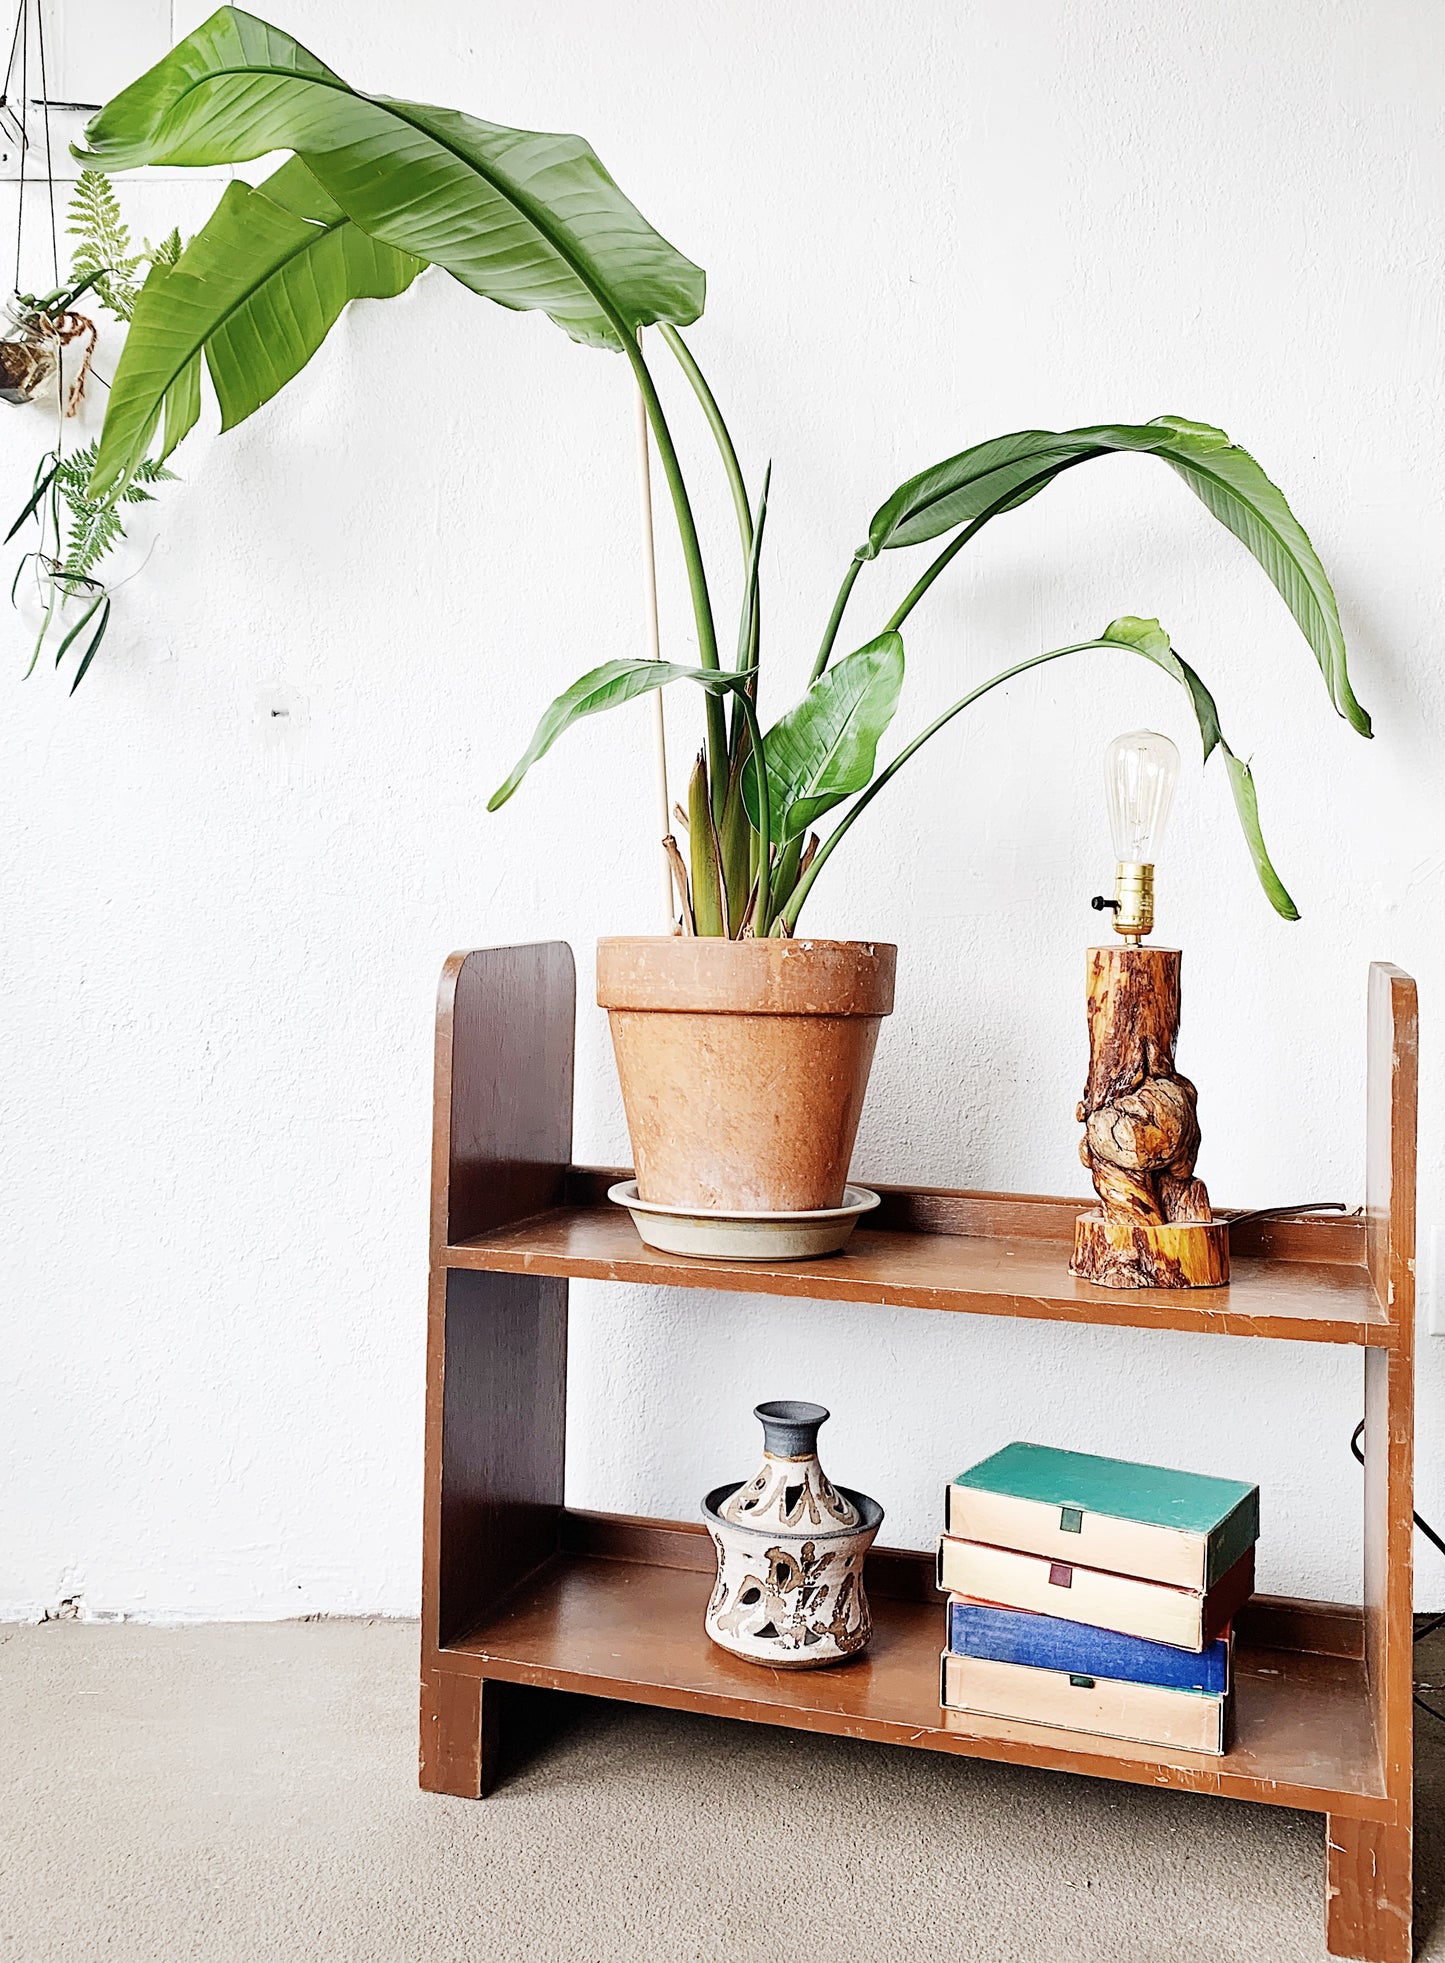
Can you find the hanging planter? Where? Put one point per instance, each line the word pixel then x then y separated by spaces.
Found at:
pixel 29 357
pixel 32 356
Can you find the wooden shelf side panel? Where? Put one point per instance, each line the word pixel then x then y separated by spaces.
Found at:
pixel 502 1126
pixel 1369 1888
pixel 496 1343
pixel 1392 1115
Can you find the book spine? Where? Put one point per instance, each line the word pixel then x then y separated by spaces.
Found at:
pixel 1009 1579
pixel 1233 1538
pixel 1049 1643
pixel 1170 1720
pixel 1070 1533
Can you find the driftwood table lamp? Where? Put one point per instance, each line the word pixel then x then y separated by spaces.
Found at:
pixel 1153 1227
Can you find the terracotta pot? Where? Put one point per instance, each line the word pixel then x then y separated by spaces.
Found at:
pixel 743 1063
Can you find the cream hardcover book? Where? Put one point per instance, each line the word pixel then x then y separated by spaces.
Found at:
pixel 1179 1527
pixel 1152 1609
pixel 1183 1720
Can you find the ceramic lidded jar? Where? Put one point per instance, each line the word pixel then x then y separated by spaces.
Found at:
pixel 790 1552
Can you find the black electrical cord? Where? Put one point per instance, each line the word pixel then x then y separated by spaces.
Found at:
pixel 1436 1621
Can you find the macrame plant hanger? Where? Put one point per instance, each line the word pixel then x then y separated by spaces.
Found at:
pixel 40 328
pixel 34 338
pixel 24 117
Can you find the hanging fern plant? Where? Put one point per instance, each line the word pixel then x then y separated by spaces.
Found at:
pixel 86 529
pixel 103 258
pixel 102 251
pixel 78 530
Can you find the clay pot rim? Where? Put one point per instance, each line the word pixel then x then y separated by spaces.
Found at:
pixel 707 975
pixel 870 1518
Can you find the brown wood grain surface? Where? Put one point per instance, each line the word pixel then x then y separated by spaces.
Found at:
pixel 518 1591
pixel 1304 1301
pixel 908 1575
pixel 1121 1252
pixel 633 1630
pixel 503 1129
pixel 1316 1238
pixel 1370 1873
pixel 496 1343
pixel 1369 1884
pixel 1141 1130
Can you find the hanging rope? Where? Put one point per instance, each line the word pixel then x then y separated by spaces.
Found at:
pixel 8 112
pixel 23 27
pixel 19 113
pixel 49 153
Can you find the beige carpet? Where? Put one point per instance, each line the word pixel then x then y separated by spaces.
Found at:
pixel 224 1793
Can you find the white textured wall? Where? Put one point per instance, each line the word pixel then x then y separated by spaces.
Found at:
pixel 922 226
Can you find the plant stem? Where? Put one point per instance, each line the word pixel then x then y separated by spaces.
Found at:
pixel 687 361
pixel 835 619
pixel 785 873
pixel 800 892
pixel 916 592
pixel 717 736
pixel 950 552
pixel 762 911
pixel 750 618
pixel 945 559
pixel 41 637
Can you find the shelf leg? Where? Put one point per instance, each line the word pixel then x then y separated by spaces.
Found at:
pixel 1367 1890
pixel 459 1734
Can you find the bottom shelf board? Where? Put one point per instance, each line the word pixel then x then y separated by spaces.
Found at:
pixel 634 1631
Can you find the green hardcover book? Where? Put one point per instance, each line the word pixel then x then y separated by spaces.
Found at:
pixel 1177 1527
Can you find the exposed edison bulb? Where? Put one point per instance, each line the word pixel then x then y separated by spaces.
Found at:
pixel 1140 772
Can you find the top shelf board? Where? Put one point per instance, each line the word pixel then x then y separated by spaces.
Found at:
pixel 980 1254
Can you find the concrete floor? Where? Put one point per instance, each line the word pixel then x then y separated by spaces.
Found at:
pixel 249 1791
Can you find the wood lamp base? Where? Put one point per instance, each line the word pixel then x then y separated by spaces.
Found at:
pixel 1153 1226
pixel 1118 1252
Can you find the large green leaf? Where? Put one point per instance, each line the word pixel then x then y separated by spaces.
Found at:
pixel 527 219
pixel 1144 637
pixel 991 477
pixel 1007 471
pixel 256 291
pixel 607 687
pixel 824 749
pixel 1229 482
pixel 1148 638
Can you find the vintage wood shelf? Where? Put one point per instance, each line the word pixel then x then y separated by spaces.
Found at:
pixel 520 1591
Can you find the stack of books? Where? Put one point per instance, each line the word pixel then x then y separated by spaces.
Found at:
pixel 1096 1595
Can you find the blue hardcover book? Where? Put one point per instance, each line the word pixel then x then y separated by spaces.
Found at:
pixel 1046 1642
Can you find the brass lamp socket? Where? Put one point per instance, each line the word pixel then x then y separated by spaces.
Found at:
pixel 1134 897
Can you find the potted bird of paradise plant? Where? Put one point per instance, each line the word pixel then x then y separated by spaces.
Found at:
pixel 744 1048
